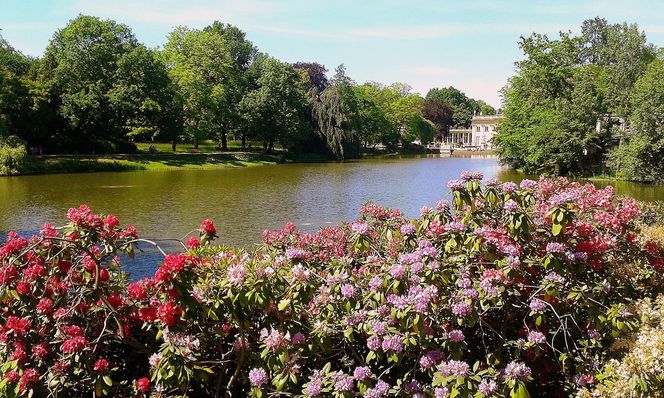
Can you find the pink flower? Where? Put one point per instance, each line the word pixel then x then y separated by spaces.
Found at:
pixel 257 377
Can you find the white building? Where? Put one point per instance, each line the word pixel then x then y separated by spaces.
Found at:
pixel 483 129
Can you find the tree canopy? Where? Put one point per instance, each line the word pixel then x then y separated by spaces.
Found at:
pixel 569 96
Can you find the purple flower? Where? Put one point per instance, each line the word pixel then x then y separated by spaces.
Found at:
pixel 375 283
pixel 393 343
pixel 441 392
pixel 378 328
pixel 373 343
pixel 314 388
pixel 487 387
pixel 298 338
pixel 362 373
pixel 517 370
pixel 555 247
pixel 536 337
pixel 554 278
pixel 462 309
pixel 509 187
pixel 594 334
pixel 360 228
pixel 513 262
pixel 443 205
pixel 455 227
pixel 424 211
pixel 408 229
pixel 455 185
pixel 347 290
pixel 537 305
pixel 257 377
pixel 296 254
pixel 492 182
pixel 510 206
pixel 527 184
pixel 397 271
pixel 380 390
pixel 454 368
pixel 236 274
pixel 343 383
pixel 413 386
pixel 456 336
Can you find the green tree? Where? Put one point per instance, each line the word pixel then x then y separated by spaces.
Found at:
pixel 82 61
pixel 641 157
pixel 337 116
pixel 275 108
pixel 376 127
pixel 463 107
pixel 562 89
pixel 143 97
pixel 202 67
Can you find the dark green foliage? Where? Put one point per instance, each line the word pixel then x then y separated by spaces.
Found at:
pixel 640 157
pixel 562 89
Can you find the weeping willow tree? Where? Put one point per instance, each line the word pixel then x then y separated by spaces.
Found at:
pixel 335 116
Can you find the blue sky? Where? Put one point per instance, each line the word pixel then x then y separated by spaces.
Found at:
pixel 471 45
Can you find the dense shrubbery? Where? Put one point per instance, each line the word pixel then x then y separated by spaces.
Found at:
pixel 509 290
pixel 12 155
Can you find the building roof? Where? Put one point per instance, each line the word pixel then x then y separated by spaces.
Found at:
pixel 486 119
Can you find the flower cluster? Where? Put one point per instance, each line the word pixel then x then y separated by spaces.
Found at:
pixel 506 290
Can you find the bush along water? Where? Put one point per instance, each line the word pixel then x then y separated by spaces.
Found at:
pixel 507 291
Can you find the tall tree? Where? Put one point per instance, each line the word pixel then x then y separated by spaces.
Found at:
pixel 562 89
pixel 316 74
pixel 83 57
pixel 440 113
pixel 336 113
pixel 275 108
pixel 201 65
pixel 641 157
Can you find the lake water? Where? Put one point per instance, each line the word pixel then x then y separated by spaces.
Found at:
pixel 244 202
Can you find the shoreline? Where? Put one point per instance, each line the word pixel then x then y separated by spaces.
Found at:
pixel 208 160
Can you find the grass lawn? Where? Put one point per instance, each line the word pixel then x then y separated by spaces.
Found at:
pixel 144 161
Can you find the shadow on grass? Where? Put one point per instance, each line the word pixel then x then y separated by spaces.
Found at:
pixel 135 162
pixel 71 165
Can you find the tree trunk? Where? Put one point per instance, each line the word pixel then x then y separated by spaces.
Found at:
pixel 173 145
pixel 244 141
pixel 224 142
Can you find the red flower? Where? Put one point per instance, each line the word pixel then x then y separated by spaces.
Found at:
pixel 23 288
pixel 193 242
pixel 207 227
pixel 40 351
pixel 45 306
pixel 101 366
pixel 103 274
pixel 137 290
pixel 12 376
pixel 19 326
pixel 111 221
pixel 169 313
pixel 74 344
pixel 147 314
pixel 30 377
pixel 143 385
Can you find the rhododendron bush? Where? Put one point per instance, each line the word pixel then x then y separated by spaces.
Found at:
pixel 507 291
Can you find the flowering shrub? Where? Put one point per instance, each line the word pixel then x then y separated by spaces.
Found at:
pixel 639 373
pixel 510 290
